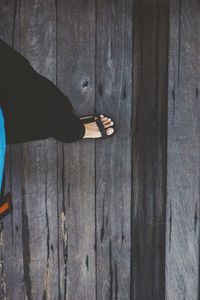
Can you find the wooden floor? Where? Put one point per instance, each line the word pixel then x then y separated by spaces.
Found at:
pixel 115 218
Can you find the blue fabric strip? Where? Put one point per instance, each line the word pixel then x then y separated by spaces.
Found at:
pixel 2 145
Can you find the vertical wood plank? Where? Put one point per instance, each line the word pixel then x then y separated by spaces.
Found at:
pixel 182 234
pixel 113 155
pixel 39 201
pixel 149 149
pixel 76 78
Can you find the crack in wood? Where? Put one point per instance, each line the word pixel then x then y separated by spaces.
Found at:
pixel 65 247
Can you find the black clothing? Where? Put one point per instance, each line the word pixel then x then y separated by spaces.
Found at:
pixel 33 107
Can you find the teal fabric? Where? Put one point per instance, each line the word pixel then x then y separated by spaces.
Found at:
pixel 2 145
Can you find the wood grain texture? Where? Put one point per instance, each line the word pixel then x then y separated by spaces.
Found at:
pixel 113 156
pixel 76 77
pixel 115 218
pixel 149 149
pixel 39 162
pixel 182 234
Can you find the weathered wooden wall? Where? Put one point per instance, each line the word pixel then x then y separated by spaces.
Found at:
pixel 115 218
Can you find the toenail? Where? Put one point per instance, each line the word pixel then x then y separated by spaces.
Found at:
pixel 110 130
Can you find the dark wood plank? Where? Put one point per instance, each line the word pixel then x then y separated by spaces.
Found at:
pixel 76 78
pixel 113 155
pixel 182 236
pixel 149 149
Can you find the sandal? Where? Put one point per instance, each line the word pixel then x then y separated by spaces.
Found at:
pixel 99 123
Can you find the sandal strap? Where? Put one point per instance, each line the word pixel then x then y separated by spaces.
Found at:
pixel 101 127
pixel 88 120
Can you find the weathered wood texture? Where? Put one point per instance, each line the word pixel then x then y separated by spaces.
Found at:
pixel 90 217
pixel 183 173
pixel 39 173
pixel 113 158
pixel 149 148
pixel 76 76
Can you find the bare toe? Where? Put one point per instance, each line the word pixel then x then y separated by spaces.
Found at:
pixel 108 124
pixel 104 119
pixel 109 131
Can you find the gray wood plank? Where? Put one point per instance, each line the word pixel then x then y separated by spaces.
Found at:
pixel 113 155
pixel 76 78
pixel 182 234
pixel 39 180
pixel 149 149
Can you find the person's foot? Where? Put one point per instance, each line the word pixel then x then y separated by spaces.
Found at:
pixel 92 130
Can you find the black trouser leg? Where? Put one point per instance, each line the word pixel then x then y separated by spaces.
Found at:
pixel 34 108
